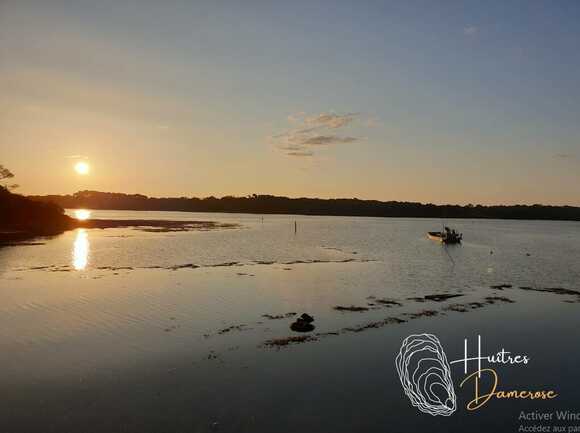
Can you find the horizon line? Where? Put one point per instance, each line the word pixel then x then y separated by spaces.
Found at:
pixel 529 204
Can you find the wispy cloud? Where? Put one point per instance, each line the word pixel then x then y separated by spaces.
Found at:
pixel 314 131
pixel 328 139
pixel 564 156
pixel 303 153
pixel 331 120
pixel 470 30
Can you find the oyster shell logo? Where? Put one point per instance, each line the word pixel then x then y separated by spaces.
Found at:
pixel 425 375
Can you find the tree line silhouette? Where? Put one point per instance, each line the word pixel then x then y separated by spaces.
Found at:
pixel 270 204
pixel 22 218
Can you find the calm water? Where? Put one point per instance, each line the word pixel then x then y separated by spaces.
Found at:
pixel 119 329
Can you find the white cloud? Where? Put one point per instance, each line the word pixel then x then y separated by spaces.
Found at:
pixel 314 131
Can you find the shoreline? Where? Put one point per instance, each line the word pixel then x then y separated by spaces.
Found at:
pixel 345 215
pixel 14 236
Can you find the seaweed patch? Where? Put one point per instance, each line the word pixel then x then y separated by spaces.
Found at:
pixel 351 308
pixel 285 341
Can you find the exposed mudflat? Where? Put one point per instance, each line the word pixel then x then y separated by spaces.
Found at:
pixel 155 226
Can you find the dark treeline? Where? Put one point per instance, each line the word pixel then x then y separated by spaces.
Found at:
pixel 268 204
pixel 23 218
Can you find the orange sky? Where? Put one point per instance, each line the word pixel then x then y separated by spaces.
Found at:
pixel 234 101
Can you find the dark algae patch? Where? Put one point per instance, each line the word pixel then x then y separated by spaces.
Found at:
pixel 373 325
pixel 156 226
pixel 501 286
pixel 555 290
pixel 488 300
pixel 352 308
pixel 460 308
pixel 384 302
pixel 232 328
pixel 285 341
pixel 494 299
pixel 435 298
pixel 442 297
pixel 387 302
pixel 423 313
pixel 278 316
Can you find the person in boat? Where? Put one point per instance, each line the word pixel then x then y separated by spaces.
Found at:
pixel 447 233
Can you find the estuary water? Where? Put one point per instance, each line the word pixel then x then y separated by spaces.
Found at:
pixel 149 330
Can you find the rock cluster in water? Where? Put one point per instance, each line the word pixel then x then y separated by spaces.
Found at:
pixel 303 323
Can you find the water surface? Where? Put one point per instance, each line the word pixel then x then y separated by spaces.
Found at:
pixel 127 330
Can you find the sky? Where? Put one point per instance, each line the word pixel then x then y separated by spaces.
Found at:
pixel 442 102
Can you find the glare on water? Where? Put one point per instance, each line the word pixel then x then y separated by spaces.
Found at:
pixel 82 214
pixel 80 254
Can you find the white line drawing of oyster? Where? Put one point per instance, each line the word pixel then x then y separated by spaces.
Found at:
pixel 425 375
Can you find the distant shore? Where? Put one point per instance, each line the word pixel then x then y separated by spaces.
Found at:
pixel 24 218
pixel 269 204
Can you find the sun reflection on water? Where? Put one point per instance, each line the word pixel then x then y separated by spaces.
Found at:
pixel 80 254
pixel 82 214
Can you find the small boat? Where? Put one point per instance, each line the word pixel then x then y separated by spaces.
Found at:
pixel 447 236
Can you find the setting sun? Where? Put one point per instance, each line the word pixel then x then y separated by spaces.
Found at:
pixel 82 168
pixel 82 214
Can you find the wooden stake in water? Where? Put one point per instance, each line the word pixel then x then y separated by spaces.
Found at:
pixel 295 227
